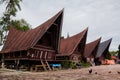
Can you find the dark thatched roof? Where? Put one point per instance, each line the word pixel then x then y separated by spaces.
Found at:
pixel 102 47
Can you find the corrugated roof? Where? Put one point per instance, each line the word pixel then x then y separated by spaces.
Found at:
pixel 102 47
pixel 90 47
pixel 18 40
pixel 68 45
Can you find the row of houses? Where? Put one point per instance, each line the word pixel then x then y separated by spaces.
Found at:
pixel 44 45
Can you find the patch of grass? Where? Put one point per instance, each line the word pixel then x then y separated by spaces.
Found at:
pixel 85 64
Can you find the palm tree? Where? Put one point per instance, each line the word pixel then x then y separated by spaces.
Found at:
pixel 12 6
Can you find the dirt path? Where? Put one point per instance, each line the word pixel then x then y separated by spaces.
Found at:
pixel 104 72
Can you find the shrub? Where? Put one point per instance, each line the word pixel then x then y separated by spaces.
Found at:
pixel 68 64
pixel 85 64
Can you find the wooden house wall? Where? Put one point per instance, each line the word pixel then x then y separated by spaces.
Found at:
pixel 41 55
pixel 15 55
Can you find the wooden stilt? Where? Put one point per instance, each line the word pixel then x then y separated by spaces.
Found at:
pixel 48 65
pixel 46 61
pixel 44 66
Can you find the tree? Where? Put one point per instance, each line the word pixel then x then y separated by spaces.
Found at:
pixel 12 6
pixel 108 55
pixel 119 51
pixel 113 52
pixel 5 21
pixel 20 24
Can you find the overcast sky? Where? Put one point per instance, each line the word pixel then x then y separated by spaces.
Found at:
pixel 101 16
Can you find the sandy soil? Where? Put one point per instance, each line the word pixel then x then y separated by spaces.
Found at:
pixel 104 72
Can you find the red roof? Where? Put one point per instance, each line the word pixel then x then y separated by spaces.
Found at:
pixel 18 40
pixel 91 47
pixel 68 45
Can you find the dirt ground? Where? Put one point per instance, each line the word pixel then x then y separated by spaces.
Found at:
pixel 104 72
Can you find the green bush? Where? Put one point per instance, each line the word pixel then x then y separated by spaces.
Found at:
pixel 85 64
pixel 65 64
pixel 72 65
pixel 68 64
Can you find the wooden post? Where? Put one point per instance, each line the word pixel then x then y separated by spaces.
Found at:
pixel 48 65
pixel 41 54
pixel 46 60
pixel 43 65
pixel 37 54
pixel 3 65
pixel 45 55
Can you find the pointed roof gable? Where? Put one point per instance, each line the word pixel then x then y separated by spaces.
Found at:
pixel 68 45
pixel 102 47
pixel 19 40
pixel 90 47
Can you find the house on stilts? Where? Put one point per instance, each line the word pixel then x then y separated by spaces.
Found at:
pixel 91 50
pixel 34 47
pixel 102 51
pixel 72 48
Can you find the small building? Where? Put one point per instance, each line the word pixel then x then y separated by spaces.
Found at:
pixel 91 50
pixel 33 47
pixel 102 51
pixel 72 48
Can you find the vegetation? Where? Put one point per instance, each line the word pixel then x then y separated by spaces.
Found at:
pixel 85 64
pixel 12 7
pixel 72 65
pixel 113 52
pixel 20 25
pixel 6 21
pixel 119 51
pixel 65 64
pixel 108 56
pixel 68 64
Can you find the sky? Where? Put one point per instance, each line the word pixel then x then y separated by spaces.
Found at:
pixel 102 17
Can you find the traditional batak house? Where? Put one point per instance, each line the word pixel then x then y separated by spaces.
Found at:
pixel 91 50
pixel 72 48
pixel 102 51
pixel 34 47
